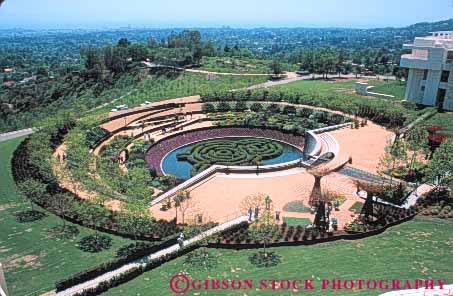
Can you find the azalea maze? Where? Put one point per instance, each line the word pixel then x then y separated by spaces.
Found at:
pixel 240 152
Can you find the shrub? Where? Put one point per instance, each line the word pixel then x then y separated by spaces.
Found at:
pixel 256 107
pixel 29 216
pixel 95 243
pixel 208 108
pixel 64 232
pixel 201 258
pixel 133 248
pixel 240 106
pixel 262 259
pixel 223 107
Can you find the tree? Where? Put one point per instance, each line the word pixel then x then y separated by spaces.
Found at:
pixel 182 202
pixel 441 165
pixel 123 42
pixel 187 203
pixel 264 227
pixel 138 184
pixel 61 203
pixel 358 70
pixel 276 67
pixel 395 155
pixel 136 218
pixel 197 55
pixel 254 201
pixel 33 190
pixel 93 214
pixel 152 42
pixel 341 59
pixel 138 52
pixel 177 200
pixel 417 142
pixel 79 159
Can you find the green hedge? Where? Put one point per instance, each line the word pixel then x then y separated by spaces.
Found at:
pixel 230 152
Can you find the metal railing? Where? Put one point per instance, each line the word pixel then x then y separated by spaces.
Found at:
pixel 249 169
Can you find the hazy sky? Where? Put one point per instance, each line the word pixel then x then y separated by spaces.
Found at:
pixel 214 13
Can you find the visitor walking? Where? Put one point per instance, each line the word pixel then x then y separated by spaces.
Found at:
pixel 256 213
pixel 181 240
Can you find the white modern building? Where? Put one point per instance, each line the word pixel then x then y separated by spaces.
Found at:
pixel 430 80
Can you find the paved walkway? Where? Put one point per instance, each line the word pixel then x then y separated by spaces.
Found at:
pixel 15 134
pixel 142 261
pixel 415 195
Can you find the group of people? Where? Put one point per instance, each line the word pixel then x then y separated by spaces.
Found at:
pixel 255 214
pixel 61 157
pixel 147 136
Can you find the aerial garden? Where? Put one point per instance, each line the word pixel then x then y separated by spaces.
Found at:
pixel 99 186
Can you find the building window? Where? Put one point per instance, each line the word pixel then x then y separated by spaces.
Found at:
pixel 445 76
pixel 450 56
pixel 425 74
pixel 423 88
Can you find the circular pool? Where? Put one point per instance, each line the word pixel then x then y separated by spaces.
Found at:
pixel 191 159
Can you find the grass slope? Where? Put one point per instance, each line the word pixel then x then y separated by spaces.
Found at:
pixel 394 88
pixel 32 260
pixel 156 88
pixel 416 249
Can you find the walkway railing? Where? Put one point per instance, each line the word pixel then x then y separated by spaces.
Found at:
pixel 226 170
pixel 247 169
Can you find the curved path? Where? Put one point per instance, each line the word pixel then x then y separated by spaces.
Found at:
pixel 15 134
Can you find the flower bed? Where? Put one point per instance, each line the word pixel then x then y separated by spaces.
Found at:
pixel 287 235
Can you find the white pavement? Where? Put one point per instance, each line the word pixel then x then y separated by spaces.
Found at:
pixel 415 195
pixel 142 261
pixel 15 134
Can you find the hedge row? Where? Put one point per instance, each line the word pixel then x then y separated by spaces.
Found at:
pixel 135 272
pixel 386 113
pixel 142 250
pixel 28 162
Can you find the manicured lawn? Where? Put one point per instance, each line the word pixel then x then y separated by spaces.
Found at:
pixel 356 207
pixel 156 88
pixel 296 206
pixel 32 260
pixel 345 95
pixel 416 249
pixel 394 88
pixel 290 221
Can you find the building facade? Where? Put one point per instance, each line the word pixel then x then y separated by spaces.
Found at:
pixel 430 80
